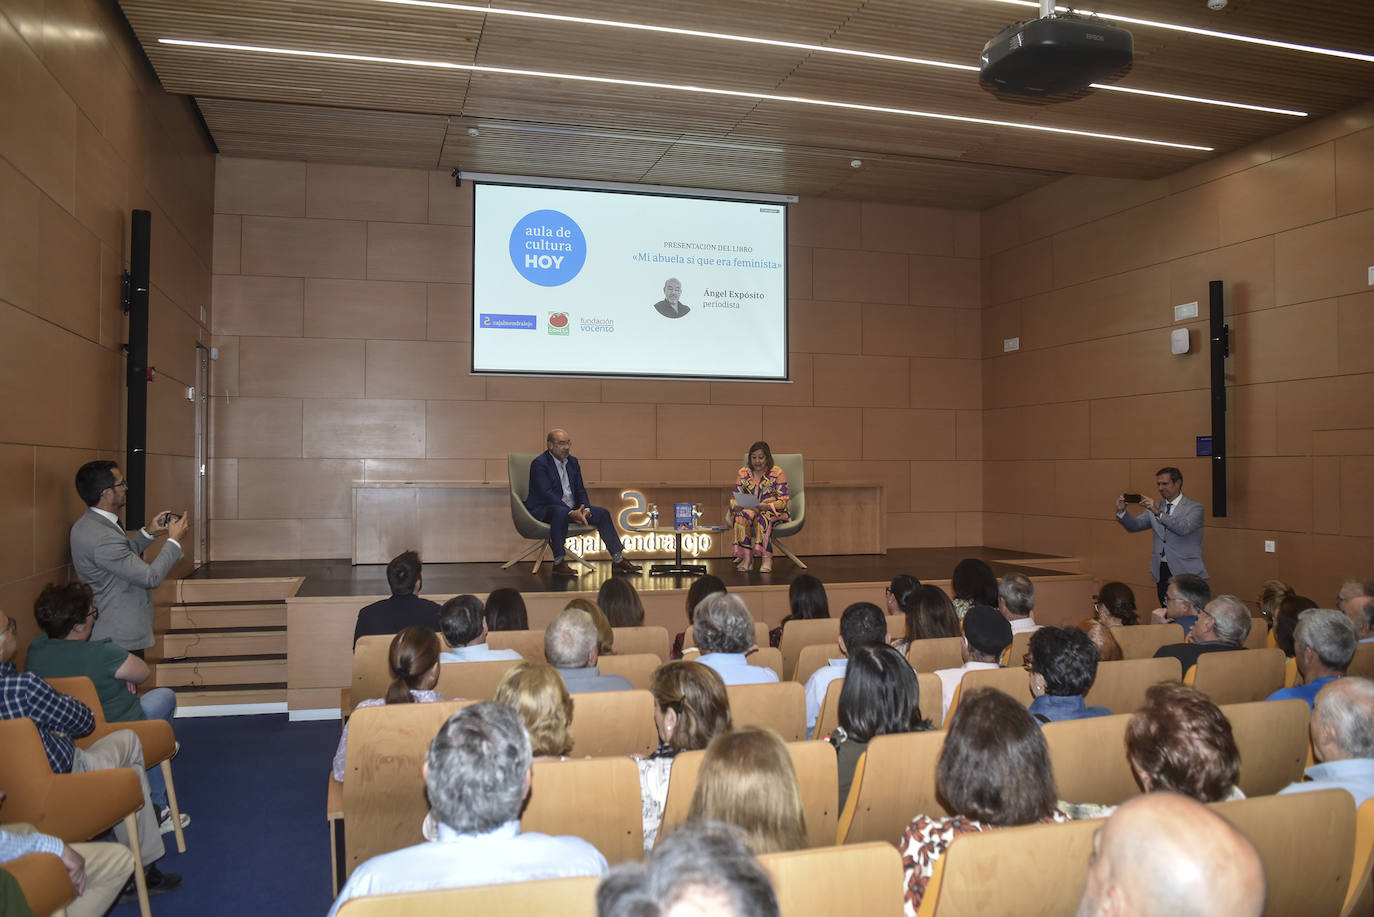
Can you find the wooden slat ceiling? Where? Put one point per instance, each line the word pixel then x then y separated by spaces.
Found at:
pixel 276 106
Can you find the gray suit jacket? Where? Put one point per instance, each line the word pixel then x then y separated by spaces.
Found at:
pixel 1178 536
pixel 107 560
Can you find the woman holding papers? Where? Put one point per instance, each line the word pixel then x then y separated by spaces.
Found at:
pixel 759 501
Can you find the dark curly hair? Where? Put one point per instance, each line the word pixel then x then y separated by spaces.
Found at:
pixel 1066 658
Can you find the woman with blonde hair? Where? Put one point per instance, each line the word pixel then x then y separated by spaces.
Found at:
pixel 747 779
pixel 605 636
pixel 536 691
pixel 413 661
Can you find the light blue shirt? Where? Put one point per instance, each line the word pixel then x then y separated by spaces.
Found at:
pixel 456 860
pixel 1307 692
pixel 478 652
pixel 734 669
pixel 816 686
pixel 1354 775
pixel 562 466
pixel 13 846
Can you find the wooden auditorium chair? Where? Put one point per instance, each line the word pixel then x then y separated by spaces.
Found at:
pixel 806 632
pixel 631 641
pixel 1237 677
pixel 1088 758
pixel 74 807
pixel 1359 899
pixel 596 799
pixel 43 879
pixel 813 658
pixel 824 882
pixel 156 736
pixel 575 897
pixel 1012 680
pixel 1291 675
pixel 613 723
pixel 471 680
pixel 780 707
pixel 528 643
pixel 370 673
pixel 896 624
pixel 1120 685
pixel 1258 638
pixel 817 776
pixel 689 639
pixel 518 469
pixel 1273 739
pixel 893 783
pixel 1363 663
pixel 1139 641
pixel 935 653
pixel 1039 869
pixel 768 657
pixel 636 668
pixel 928 684
pixel 1015 653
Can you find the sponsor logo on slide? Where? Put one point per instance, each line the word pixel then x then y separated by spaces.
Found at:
pixel 560 324
pixel 509 322
pixel 548 248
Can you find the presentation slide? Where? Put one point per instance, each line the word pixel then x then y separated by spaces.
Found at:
pixel 609 283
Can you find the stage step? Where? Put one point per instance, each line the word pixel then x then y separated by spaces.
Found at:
pixel 202 643
pixel 218 617
pixel 246 671
pixel 229 695
pixel 247 589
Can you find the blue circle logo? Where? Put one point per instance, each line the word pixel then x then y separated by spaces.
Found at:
pixel 548 248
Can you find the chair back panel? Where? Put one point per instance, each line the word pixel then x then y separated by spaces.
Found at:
pixel 561 795
pixel 1012 680
pixel 932 699
pixel 829 716
pixel 896 626
pixel 370 677
pixel 1139 641
pixel 630 641
pixel 614 723
pixel 935 653
pixel 638 668
pixel 384 800
pixel 799 633
pixel 689 639
pixel 1307 844
pixel 1040 869
pixel 518 470
pixel 898 783
pixel 471 680
pixel 1013 655
pixel 156 736
pixel 575 897
pixel 528 643
pixel 1121 685
pixel 1240 677
pixel 1273 738
pixel 1258 638
pixel 767 657
pixel 1363 663
pixel 1359 898
pixel 855 879
pixel 780 707
pixel 813 658
pixel 793 466
pixel 1088 758
pixel 43 881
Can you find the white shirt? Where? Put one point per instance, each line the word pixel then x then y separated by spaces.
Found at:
pixel 1024 625
pixel 476 652
pixel 816 686
pixel 950 678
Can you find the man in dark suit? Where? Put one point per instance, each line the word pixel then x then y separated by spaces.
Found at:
pixel 1176 521
pixel 110 561
pixel 405 608
pixel 557 494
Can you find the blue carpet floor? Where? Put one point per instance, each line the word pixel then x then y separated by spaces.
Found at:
pixel 258 844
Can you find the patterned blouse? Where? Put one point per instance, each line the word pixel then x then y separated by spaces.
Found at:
pixel 654 772
pixel 771 488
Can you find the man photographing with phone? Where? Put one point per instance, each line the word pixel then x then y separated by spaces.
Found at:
pixel 109 559
pixel 1177 525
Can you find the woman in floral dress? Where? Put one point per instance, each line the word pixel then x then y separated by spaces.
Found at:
pixel 753 527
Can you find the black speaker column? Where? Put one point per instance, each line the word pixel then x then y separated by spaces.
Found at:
pixel 1220 350
pixel 136 305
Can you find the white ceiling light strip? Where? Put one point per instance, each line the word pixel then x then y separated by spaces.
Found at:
pixel 674 87
pixel 802 46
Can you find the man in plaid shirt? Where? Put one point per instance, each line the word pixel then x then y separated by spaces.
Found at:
pixel 59 718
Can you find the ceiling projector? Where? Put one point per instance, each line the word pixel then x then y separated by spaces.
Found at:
pixel 1054 58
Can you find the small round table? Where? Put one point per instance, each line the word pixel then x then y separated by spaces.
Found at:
pixel 677 567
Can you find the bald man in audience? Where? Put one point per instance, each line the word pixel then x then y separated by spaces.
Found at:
pixel 1343 740
pixel 1161 855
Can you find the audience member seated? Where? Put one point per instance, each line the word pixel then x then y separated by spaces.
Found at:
pixel 1323 644
pixel 1360 610
pixel 806 601
pixel 465 629
pixel 1181 742
pixel 413 660
pixel 701 587
pixel 690 709
pixel 605 636
pixel 994 772
pixel 986 635
pixel 1063 666
pixel 65 650
pixel 405 608
pixel 1222 626
pixel 477 775
pixel 725 632
pixel 620 601
pixel 881 696
pixel 1114 605
pixel 973 583
pixel 1184 600
pixel 1271 596
pixel 570 646
pixel 536 691
pixel 1163 855
pixel 98 870
pixel 1342 740
pixel 58 718
pixel 1291 607
pixel 704 868
pixel 930 617
pixel 1016 601
pixel 1108 650
pixel 747 779
pixel 1353 589
pixel 861 624
pixel 900 599
pixel 505 610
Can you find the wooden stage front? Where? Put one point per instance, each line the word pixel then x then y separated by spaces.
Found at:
pixel 322 597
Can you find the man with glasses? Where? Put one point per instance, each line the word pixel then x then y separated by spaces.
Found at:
pixel 1176 522
pixel 557 494
pixel 110 561
pixel 1221 627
